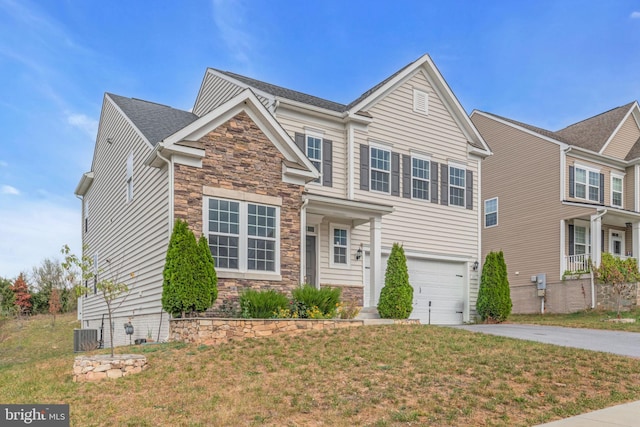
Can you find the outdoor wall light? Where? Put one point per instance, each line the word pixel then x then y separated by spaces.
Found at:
pixel 628 224
pixel 109 141
pixel 128 329
pixel 359 253
pixel 475 266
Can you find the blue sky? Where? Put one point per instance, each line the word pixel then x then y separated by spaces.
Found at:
pixel 546 62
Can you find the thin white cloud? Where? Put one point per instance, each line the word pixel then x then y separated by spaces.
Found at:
pixel 7 189
pixel 86 124
pixel 34 230
pixel 229 19
pixel 3 164
pixel 635 15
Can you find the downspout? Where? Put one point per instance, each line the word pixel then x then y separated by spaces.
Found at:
pixel 593 284
pixel 170 169
pixel 303 239
pixel 80 309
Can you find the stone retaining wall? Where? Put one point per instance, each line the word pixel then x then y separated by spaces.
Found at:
pixel 211 331
pixel 100 367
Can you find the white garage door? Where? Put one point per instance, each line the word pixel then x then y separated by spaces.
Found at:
pixel 438 289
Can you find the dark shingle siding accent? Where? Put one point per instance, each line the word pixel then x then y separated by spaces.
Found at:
pixel 155 121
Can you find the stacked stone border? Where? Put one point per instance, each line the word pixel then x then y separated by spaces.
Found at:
pixel 210 331
pixel 104 366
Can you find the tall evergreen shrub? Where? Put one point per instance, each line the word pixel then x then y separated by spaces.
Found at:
pixel 494 297
pixel 396 297
pixel 190 283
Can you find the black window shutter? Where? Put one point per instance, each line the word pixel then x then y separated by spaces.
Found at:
pixel 444 186
pixel 469 191
pixel 395 174
pixel 299 139
pixel 406 176
pixel 570 239
pixel 434 182
pixel 327 163
pixel 601 240
pixel 572 181
pixel 602 188
pixel 364 167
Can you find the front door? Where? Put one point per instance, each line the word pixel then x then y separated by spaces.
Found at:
pixel 310 275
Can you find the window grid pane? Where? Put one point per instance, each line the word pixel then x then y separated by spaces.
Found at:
pixel 314 153
pixel 491 212
pixel 261 255
pixel 224 250
pixel 224 227
pixel 456 186
pixel 380 167
pixel 420 179
pixel 340 242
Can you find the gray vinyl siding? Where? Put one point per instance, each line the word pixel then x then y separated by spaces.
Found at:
pixel 133 235
pixel 629 194
pixel 524 173
pixel 215 91
pixel 624 139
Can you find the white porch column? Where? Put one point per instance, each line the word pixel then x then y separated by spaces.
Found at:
pixel 375 259
pixel 596 239
pixel 635 239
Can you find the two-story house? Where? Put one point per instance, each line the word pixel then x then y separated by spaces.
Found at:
pixel 289 189
pixel 555 201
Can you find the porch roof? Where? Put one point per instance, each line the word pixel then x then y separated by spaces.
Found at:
pixel 356 211
pixel 611 216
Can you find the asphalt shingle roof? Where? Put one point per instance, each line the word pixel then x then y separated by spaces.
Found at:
pixel 155 121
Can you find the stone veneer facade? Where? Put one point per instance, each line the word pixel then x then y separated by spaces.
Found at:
pixel 239 157
pixel 102 367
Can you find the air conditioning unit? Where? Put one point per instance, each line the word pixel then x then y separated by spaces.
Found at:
pixel 85 340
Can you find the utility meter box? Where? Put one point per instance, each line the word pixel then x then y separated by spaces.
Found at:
pixel 541 282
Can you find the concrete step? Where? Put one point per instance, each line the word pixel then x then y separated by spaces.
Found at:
pixel 372 322
pixel 368 313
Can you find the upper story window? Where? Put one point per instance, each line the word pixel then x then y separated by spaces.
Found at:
pixel 587 185
pixel 616 191
pixel 491 212
pixel 314 153
pixel 129 177
pixel 339 246
pixel 380 169
pixel 420 102
pixel 243 236
pixel 457 186
pixel 420 173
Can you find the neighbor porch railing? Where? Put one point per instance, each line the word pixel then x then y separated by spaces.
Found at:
pixel 579 263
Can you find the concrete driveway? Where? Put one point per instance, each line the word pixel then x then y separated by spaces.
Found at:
pixel 622 343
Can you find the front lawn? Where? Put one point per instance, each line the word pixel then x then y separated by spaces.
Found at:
pixel 594 319
pixel 368 376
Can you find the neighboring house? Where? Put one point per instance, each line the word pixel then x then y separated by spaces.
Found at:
pixel 555 201
pixel 289 189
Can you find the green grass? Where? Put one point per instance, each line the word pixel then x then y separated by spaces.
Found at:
pixel 368 376
pixel 594 319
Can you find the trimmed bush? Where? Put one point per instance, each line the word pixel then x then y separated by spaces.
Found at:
pixel 494 297
pixel 190 282
pixel 262 304
pixel 325 299
pixel 396 297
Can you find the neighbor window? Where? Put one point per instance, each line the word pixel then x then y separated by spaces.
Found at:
pixel 456 185
pixel 243 236
pixel 380 169
pixel 616 191
pixel 491 212
pixel 420 178
pixel 340 245
pixel 587 185
pixel 314 153
pixel 580 240
pixel 129 177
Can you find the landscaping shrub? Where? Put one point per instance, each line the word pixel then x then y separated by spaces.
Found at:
pixel 262 304
pixel 396 297
pixel 324 299
pixel 494 297
pixel 621 275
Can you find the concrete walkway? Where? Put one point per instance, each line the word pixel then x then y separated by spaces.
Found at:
pixel 621 343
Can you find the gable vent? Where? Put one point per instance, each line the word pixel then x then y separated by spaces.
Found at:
pixel 420 102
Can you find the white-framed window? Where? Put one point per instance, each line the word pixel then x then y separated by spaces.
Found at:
pixel 616 190
pixel 587 184
pixel 420 175
pixel 380 169
pixel 491 212
pixel 243 236
pixel 581 240
pixel 457 178
pixel 129 177
pixel 313 148
pixel 420 101
pixel 339 236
